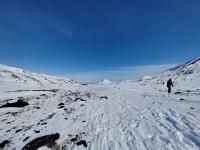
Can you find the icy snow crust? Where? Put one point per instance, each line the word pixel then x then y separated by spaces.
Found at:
pixel 131 115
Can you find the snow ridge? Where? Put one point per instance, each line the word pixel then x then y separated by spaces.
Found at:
pixel 185 65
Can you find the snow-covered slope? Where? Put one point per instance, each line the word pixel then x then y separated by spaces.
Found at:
pixel 185 76
pixel 131 115
pixel 11 74
pixel 186 68
pixel 18 79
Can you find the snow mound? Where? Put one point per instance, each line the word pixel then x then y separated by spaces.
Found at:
pixel 44 148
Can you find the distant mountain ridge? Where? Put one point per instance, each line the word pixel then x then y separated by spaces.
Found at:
pixel 189 69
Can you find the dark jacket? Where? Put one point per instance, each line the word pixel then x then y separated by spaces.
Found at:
pixel 169 83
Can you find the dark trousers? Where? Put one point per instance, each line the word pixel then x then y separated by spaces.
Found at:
pixel 169 90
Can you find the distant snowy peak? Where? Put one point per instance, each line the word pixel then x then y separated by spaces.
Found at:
pixel 105 82
pixel 12 74
pixel 146 78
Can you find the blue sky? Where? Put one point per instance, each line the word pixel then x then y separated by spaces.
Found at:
pixel 76 37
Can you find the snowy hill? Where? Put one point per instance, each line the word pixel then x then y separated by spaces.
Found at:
pixel 190 68
pixel 36 113
pixel 187 68
pixel 19 79
pixel 186 75
pixel 19 75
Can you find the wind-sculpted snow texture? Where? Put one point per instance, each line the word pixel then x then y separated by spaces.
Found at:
pixel 129 115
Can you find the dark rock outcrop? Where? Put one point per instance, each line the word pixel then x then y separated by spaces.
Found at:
pixel 82 142
pixel 19 103
pixel 104 97
pixel 47 140
pixel 74 139
pixel 3 144
pixel 61 104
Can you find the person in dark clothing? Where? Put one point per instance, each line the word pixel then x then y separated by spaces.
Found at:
pixel 169 85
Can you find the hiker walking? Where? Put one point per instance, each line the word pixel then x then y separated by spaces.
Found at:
pixel 169 85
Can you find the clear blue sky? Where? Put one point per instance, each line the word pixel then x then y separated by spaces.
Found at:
pixel 78 36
